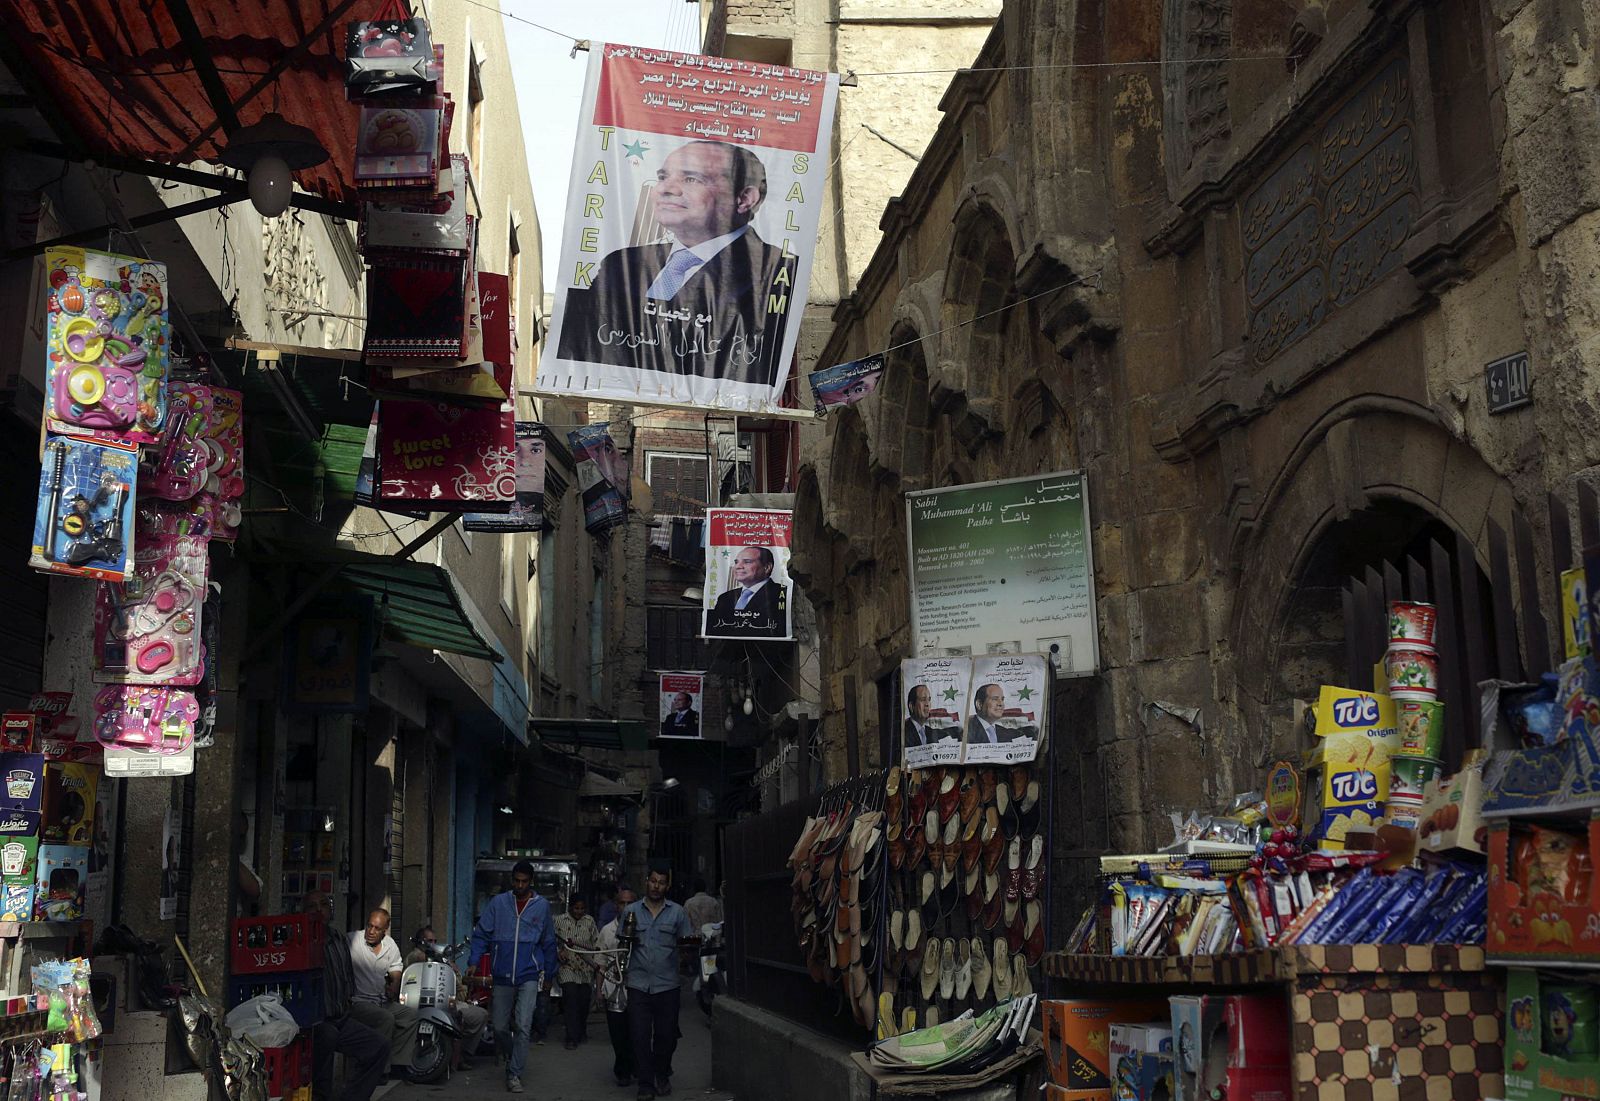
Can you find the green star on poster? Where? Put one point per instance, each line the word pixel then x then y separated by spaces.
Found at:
pixel 1025 693
pixel 949 693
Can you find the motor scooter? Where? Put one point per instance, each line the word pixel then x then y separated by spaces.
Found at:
pixel 429 987
pixel 709 982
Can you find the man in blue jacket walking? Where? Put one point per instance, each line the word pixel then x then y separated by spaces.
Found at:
pixel 517 932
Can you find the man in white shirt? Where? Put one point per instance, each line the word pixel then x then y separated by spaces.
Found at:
pixel 375 959
pixel 610 981
pixel 703 907
pixel 983 728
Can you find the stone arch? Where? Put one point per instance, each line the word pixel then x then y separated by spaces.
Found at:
pixel 1369 453
pixel 976 316
pixel 810 561
pixel 850 495
pixel 904 414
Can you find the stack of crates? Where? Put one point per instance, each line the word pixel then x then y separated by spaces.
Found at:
pixel 279 954
pixel 289 1068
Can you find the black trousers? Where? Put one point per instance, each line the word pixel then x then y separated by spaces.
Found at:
pixel 653 1023
pixel 366 1056
pixel 575 1007
pixel 621 1044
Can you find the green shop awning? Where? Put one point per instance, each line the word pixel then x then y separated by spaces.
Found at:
pixel 593 733
pixel 417 604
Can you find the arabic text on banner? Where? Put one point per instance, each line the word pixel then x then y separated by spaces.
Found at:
pixel 1004 568
pixel 748 591
pixel 681 711
pixel 696 188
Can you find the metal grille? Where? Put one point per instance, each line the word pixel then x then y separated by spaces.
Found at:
pixel 673 638
pixel 766 967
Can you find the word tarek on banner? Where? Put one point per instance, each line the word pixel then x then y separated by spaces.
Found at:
pixel 696 189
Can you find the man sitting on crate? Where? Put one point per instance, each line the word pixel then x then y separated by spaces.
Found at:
pixel 375 1002
pixel 338 1033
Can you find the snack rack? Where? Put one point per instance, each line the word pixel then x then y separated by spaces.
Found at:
pixel 1370 1022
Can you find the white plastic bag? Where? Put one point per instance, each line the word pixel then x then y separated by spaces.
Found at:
pixel 263 1021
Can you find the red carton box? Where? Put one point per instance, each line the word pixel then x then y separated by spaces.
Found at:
pixel 1544 926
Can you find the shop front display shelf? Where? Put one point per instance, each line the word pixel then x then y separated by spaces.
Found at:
pixel 1369 1022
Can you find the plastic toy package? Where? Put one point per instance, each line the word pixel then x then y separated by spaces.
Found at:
pixel 197 479
pixel 148 629
pixel 150 718
pixel 108 341
pixel 59 890
pixel 84 522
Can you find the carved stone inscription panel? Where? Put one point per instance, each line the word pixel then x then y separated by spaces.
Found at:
pixel 1330 219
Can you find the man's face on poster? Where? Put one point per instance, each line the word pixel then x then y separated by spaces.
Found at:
pixel 921 703
pixel 609 462
pixel 681 702
pixel 748 568
pixel 993 704
pixel 694 195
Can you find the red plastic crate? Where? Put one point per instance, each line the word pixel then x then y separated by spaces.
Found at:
pixel 288 1068
pixel 279 942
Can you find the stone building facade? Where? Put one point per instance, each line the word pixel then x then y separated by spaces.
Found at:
pixel 1244 262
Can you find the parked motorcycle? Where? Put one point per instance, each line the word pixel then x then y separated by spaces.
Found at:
pixel 709 982
pixel 429 987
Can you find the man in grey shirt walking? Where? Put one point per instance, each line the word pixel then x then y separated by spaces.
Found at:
pixel 659 926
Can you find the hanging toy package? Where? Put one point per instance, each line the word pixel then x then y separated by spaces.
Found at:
pixel 148 629
pixel 108 341
pixel 84 522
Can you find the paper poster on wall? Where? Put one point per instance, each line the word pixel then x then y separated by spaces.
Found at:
pixel 602 476
pixel 1006 712
pixel 747 588
pixel 680 704
pixel 696 187
pixel 1004 568
pixel 935 709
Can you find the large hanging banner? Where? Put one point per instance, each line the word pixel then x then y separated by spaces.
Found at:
pixel 936 705
pixel 696 188
pixel 680 704
pixel 1004 568
pixel 748 588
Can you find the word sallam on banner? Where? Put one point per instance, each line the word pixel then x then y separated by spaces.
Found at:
pixel 696 190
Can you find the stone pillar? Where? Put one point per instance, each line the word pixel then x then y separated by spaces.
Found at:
pixel 1550 153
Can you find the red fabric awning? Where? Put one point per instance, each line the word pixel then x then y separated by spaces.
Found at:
pixel 119 80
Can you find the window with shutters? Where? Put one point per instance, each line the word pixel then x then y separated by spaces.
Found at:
pixel 677 482
pixel 673 638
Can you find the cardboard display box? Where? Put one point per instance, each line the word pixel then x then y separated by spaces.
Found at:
pixel 1534 1010
pixel 1141 1063
pixel 1545 928
pixel 1077 1039
pixel 1451 818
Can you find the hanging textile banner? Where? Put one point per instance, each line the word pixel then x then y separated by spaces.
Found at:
pixel 846 383
pixel 527 510
pixel 1004 568
pixel 680 704
pixel 445 457
pixel 602 476
pixel 696 188
pixel 748 588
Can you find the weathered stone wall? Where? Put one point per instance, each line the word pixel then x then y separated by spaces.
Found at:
pixel 1289 274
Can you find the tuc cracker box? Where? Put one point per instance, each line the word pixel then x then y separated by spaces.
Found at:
pixel 1356 733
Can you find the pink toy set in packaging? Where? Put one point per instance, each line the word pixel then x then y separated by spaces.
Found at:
pixel 144 717
pixel 147 630
pixel 108 337
pixel 198 477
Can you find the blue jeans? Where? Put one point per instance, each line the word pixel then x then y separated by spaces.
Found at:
pixel 511 1036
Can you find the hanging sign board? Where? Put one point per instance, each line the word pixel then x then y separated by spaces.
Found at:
pixel 747 586
pixel 1004 568
pixel 680 704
